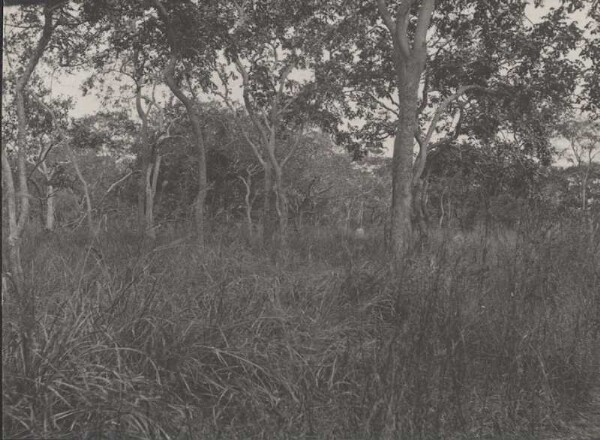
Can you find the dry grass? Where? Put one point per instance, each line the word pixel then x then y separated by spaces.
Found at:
pixel 482 337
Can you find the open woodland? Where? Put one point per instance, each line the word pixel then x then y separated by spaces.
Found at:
pixel 301 219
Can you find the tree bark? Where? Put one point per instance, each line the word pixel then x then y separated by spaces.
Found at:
pixel 402 163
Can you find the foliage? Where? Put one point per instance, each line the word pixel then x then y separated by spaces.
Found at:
pixel 470 44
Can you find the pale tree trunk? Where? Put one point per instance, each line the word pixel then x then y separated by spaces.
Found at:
pixel 248 201
pixel 409 63
pixel 151 183
pixel 142 189
pixel 50 194
pixel 419 206
pixel 50 215
pixel 281 206
pixel 279 199
pixel 18 207
pixel 584 185
pixel 86 193
pixel 145 195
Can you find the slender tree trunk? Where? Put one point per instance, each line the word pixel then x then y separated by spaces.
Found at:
pixel 584 185
pixel 24 303
pixel 141 208
pixel 86 193
pixel 418 201
pixel 268 226
pixel 50 207
pixel 146 157
pixel 151 183
pixel 281 205
pixel 248 203
pixel 425 200
pixel 148 215
pixel 143 190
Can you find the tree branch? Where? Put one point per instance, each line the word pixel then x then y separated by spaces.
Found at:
pixel 382 104
pixel 400 44
pixel 402 18
pixel 424 143
pixel 425 14
pixel 247 102
pixel 292 149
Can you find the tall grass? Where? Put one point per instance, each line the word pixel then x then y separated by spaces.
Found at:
pixel 482 336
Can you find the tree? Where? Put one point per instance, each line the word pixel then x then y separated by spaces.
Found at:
pixel 186 27
pixel 133 52
pixel 268 43
pixel 584 142
pixel 417 70
pixel 18 202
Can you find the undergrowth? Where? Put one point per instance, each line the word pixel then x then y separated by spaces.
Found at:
pixel 475 337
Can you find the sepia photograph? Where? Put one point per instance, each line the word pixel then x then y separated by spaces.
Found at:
pixel 300 219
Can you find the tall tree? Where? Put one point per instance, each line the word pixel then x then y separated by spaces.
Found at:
pixel 192 32
pixel 423 72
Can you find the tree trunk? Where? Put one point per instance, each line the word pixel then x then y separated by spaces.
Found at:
pixel 281 206
pixel 142 191
pixel 268 225
pixel 248 203
pixel 151 183
pixel 86 193
pixel 584 185
pixel 418 200
pixel 145 155
pixel 200 201
pixel 50 199
pixel 22 298
pixel 148 214
pixel 192 111
pixel 141 203
pixel 402 165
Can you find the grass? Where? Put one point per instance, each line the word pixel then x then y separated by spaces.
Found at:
pixel 491 336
